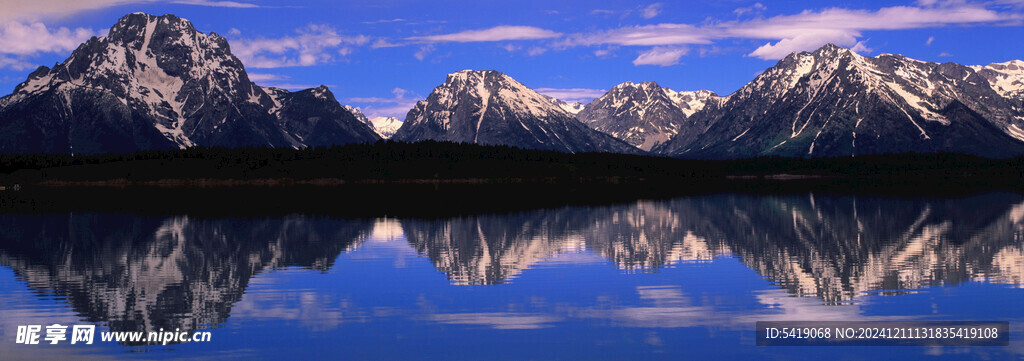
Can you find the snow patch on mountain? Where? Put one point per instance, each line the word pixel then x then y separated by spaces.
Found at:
pixel 1006 78
pixel 386 126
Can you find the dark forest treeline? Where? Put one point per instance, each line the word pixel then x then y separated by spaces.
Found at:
pixel 396 161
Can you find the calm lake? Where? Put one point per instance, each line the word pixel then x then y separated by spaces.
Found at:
pixel 673 279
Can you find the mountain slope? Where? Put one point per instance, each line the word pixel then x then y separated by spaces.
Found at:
pixel 488 107
pixel 834 102
pixel 315 118
pixel 153 82
pixel 1006 78
pixel 645 114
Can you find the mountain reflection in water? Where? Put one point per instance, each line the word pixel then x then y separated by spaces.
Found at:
pixel 142 273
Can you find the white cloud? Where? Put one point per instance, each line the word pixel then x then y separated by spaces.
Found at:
pixel 32 38
pixel 660 56
pixel 651 10
pixel 313 45
pixel 945 54
pixel 536 50
pixel 497 33
pixel 929 41
pixel 582 95
pixel 807 30
pixel 21 41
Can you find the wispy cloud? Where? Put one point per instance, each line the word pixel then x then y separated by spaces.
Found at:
pixel 929 41
pixel 261 77
pixel 14 63
pixel 225 4
pixel 384 21
pixel 536 50
pixel 497 33
pixel 424 51
pixel 582 95
pixel 647 35
pixel 651 10
pixel 756 8
pixel 312 45
pixel 661 56
pixel 279 81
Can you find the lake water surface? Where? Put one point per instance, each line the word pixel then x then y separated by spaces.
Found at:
pixel 684 278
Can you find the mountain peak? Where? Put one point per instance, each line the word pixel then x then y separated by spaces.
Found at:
pixel 136 27
pixel 322 92
pixel 830 47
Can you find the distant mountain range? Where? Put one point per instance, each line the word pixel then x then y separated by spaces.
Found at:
pixel 154 82
pixel 488 107
pixel 834 102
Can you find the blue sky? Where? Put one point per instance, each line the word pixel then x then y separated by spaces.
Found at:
pixel 384 55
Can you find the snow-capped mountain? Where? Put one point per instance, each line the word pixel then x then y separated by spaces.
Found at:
pixel 154 82
pixel 834 102
pixel 488 107
pixel 573 107
pixel 386 126
pixel 645 114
